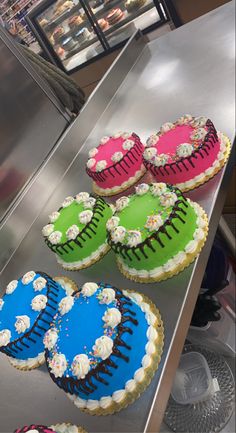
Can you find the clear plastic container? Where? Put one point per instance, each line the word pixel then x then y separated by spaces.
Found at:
pixel 193 381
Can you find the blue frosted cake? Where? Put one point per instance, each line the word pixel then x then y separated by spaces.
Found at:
pixel 103 347
pixel 26 311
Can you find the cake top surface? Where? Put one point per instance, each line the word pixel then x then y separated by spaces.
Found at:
pixel 21 306
pixel 33 428
pixel 71 218
pixel 176 140
pixel 110 150
pixel 140 215
pixel 109 318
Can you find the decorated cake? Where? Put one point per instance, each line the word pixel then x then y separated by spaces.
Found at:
pixel 58 428
pixel 83 35
pixel 103 24
pixel 26 311
pixel 104 347
pixel 114 16
pixel 116 163
pixel 75 21
pixel 186 153
pixel 156 232
pixel 76 233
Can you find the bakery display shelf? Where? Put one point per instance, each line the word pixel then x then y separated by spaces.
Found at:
pixel 196 61
pixel 80 46
pixel 64 16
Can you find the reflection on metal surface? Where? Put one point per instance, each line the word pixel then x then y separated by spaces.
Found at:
pixel 204 85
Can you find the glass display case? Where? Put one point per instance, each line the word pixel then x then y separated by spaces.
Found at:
pixel 75 32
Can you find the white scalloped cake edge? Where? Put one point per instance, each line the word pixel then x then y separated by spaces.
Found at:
pixel 123 186
pixel 85 262
pixel 28 363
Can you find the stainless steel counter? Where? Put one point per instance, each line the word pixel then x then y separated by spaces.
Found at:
pixel 188 70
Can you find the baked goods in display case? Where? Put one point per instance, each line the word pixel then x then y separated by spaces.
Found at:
pixel 44 22
pixel 186 153
pixel 83 35
pixel 63 6
pixel 26 310
pixel 104 347
pixel 60 52
pixel 103 24
pixel 58 33
pixel 132 5
pixel 114 16
pixel 156 232
pixel 75 21
pixel 68 44
pixel 57 428
pixel 76 233
pixel 116 163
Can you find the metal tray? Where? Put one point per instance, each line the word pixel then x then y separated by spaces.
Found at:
pixel 188 70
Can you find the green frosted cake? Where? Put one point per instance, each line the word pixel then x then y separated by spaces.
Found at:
pixel 76 233
pixel 156 232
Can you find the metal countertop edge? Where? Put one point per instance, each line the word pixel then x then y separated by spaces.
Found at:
pixel 163 389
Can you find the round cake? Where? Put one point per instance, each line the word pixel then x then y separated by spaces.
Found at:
pixel 156 232
pixel 104 347
pixel 58 428
pixel 83 35
pixel 116 164
pixel 75 21
pixel 58 33
pixel 26 311
pixel 76 233
pixel 186 153
pixel 114 16
pixel 103 24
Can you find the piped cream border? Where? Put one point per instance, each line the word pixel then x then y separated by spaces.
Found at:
pixel 120 399
pixel 27 364
pixel 61 428
pixel 218 164
pixel 106 192
pixel 179 262
pixel 85 263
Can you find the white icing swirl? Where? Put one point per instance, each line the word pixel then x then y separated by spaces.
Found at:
pixel 5 337
pixel 101 165
pixel 126 135
pixel 85 216
pixel 152 140
pixel 184 150
pixel 118 134
pixel 139 375
pixel 39 302
pixel 82 197
pixel 199 121
pixel 105 402
pixel 53 217
pixel 47 230
pixel 80 366
pixel 22 323
pixel 91 162
pixel 168 199
pixel 58 364
pixel 199 234
pixel 154 222
pixel 50 338
pixel 149 153
pixel 68 201
pixel 88 289
pixel 11 287
pixel 103 347
pixel 184 120
pixel 55 237
pixel 93 152
pixel 198 134
pixel 134 238
pixel 117 156
pixel 130 385
pixel 39 284
pixel 107 296
pixel 66 304
pixel 160 160
pixel 142 189
pixel 28 277
pixel 167 127
pixel 191 246
pixel 72 232
pixel 128 144
pixel 104 140
pixel 90 203
pixel 158 189
pixel 118 234
pixel 1 304
pixel 121 203
pixel 118 395
pixel 112 317
pixel 112 223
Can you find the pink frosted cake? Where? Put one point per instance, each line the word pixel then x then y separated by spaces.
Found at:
pixel 186 153
pixel 116 163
